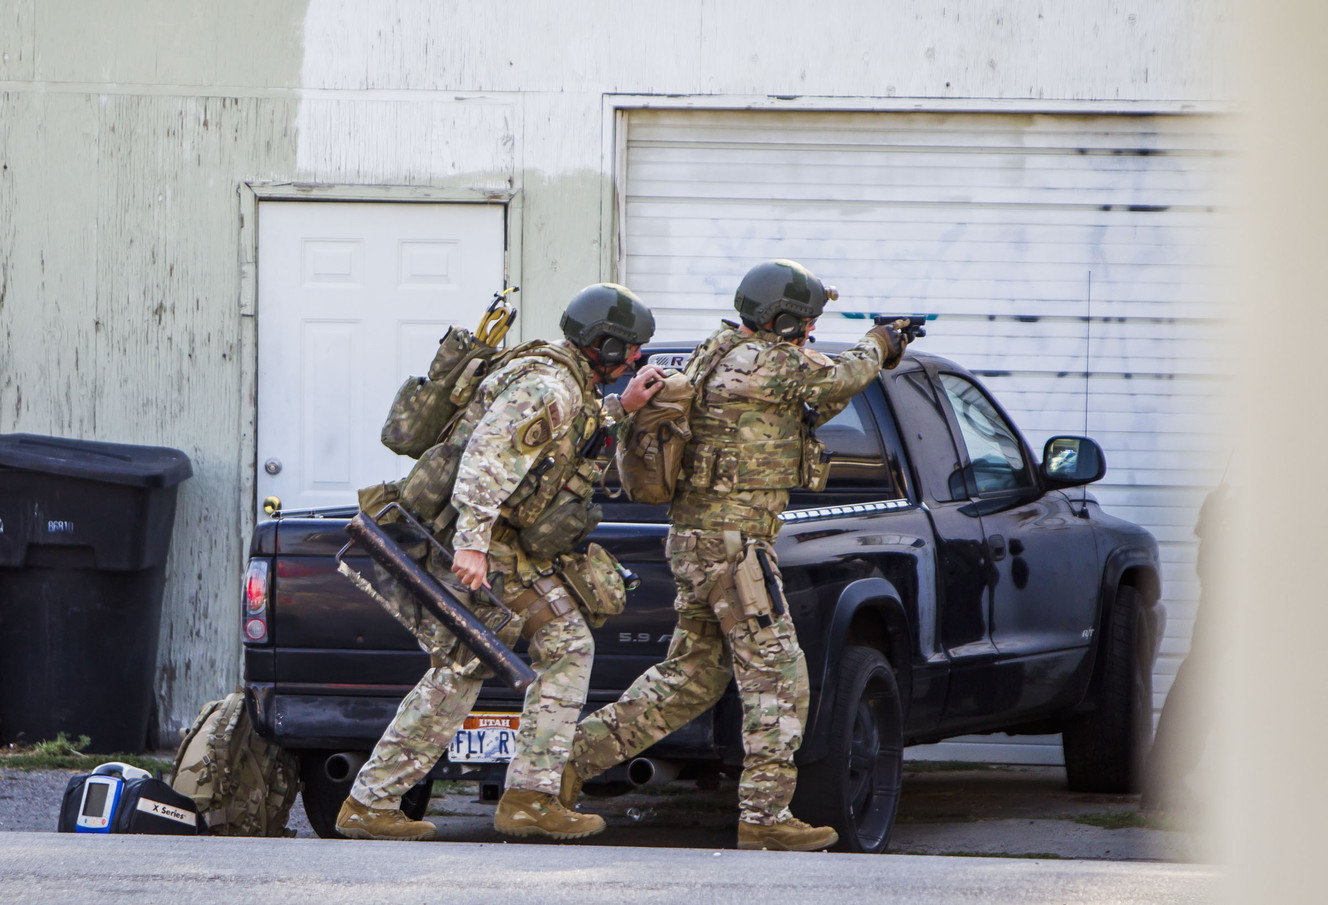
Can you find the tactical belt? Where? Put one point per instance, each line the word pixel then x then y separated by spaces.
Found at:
pixel 702 627
pixel 724 515
pixel 539 608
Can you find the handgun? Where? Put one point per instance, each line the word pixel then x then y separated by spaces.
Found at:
pixel 915 328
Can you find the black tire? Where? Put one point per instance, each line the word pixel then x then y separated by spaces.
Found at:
pixel 323 797
pixel 855 787
pixel 1105 748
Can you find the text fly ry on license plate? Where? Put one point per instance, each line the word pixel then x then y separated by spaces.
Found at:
pixel 485 738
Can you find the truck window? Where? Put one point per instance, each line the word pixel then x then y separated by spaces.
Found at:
pixel 854 441
pixel 927 435
pixel 994 451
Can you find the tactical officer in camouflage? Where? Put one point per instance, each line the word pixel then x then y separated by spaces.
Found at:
pixel 523 468
pixel 758 387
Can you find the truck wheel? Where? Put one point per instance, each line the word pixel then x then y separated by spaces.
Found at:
pixel 855 787
pixel 1105 748
pixel 323 797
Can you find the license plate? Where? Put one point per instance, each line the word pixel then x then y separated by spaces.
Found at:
pixel 485 738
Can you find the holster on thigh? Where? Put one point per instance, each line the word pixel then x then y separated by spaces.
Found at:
pixel 541 603
pixel 742 586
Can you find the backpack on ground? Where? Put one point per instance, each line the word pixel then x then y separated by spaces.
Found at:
pixel 242 784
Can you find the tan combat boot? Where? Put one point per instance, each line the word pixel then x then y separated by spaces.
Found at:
pixel 791 835
pixel 525 813
pixel 570 790
pixel 358 821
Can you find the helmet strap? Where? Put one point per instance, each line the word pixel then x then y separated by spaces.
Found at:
pixel 602 369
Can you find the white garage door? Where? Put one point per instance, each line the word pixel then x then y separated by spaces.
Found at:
pixel 1066 259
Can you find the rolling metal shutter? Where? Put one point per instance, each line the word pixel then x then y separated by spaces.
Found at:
pixel 1067 259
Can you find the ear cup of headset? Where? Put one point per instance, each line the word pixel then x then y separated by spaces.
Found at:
pixel 612 351
pixel 788 325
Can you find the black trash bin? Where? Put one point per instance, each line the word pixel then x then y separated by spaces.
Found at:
pixel 84 532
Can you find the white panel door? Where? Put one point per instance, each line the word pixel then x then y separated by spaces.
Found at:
pixel 1066 257
pixel 352 299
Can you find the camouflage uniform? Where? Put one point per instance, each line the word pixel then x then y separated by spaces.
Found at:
pixel 530 419
pixel 745 456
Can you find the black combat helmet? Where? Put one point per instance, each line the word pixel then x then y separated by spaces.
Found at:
pixel 784 292
pixel 608 317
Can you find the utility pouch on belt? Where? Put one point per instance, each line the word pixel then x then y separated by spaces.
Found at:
pixel 593 580
pixel 814 469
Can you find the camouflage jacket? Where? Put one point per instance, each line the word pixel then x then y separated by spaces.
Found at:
pixel 749 446
pixel 534 414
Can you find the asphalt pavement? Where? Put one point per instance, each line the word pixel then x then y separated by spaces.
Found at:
pixel 990 834
pixel 1009 811
pixel 146 870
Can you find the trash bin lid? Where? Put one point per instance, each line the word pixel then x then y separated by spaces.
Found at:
pixel 110 463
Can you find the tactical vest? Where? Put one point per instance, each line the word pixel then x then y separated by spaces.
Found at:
pixel 559 466
pixel 427 490
pixel 739 443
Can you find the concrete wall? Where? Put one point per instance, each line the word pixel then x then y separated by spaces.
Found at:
pixel 127 129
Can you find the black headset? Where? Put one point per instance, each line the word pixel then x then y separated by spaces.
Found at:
pixel 790 326
pixel 612 351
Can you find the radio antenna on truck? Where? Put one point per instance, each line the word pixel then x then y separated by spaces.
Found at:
pixel 1088 351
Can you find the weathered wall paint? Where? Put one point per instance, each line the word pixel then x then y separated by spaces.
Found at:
pixel 125 130
pixel 1095 49
pixel 119 283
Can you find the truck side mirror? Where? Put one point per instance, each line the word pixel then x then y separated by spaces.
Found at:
pixel 1070 461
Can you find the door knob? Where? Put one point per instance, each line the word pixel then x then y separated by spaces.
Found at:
pixel 271 505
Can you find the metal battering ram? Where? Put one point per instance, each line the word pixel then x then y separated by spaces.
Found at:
pixel 435 598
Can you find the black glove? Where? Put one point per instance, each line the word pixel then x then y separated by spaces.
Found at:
pixel 893 339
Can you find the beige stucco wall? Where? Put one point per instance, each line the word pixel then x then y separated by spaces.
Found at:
pixel 126 130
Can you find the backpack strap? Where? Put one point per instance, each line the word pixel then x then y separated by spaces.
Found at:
pixel 701 367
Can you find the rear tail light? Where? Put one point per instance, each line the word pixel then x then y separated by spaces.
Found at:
pixel 255 601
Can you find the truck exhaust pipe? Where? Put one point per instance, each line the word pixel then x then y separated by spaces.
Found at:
pixel 646 771
pixel 344 765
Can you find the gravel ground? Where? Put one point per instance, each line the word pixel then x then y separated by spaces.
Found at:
pixel 1010 811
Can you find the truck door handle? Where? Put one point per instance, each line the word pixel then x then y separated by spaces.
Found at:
pixel 997 544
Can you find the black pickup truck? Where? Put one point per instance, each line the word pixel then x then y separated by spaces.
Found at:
pixel 944 583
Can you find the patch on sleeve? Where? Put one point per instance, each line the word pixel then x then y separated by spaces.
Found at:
pixel 535 431
pixel 820 359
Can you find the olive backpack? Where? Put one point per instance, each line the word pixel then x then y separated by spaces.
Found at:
pixel 242 784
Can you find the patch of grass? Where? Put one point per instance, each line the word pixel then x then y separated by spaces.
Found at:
pixel 1120 820
pixel 61 753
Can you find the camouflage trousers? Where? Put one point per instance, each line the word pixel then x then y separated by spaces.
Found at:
pixel 766 662
pixel 427 719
